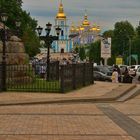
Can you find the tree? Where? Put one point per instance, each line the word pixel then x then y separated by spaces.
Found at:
pixel 108 33
pixel 138 30
pixel 136 43
pixel 82 53
pixel 31 42
pixel 14 10
pixel 94 52
pixel 123 35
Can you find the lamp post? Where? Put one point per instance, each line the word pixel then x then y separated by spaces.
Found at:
pixel 4 38
pixel 48 39
pixel 4 18
pixel 17 23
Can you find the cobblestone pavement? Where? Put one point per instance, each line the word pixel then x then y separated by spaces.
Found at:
pixel 70 121
pixel 83 121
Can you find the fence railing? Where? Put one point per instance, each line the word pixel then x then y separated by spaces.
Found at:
pixel 33 78
pixel 0 77
pixel 75 76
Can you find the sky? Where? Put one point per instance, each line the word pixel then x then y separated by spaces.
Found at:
pixel 104 13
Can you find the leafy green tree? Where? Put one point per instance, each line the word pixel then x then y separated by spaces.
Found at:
pixel 108 33
pixel 82 53
pixel 94 52
pixel 31 42
pixel 14 10
pixel 123 35
pixel 138 30
pixel 135 47
pixel 77 49
pixel 123 32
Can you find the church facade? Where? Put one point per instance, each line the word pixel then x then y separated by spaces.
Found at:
pixel 64 44
pixel 85 33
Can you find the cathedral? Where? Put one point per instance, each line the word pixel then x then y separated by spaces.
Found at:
pixel 85 33
pixel 62 47
pixel 72 36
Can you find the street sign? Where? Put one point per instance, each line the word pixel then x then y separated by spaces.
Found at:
pixel 119 61
pixel 106 48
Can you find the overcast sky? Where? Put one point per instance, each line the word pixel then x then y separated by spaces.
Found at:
pixel 102 12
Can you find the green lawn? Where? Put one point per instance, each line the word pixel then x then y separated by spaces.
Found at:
pixel 38 85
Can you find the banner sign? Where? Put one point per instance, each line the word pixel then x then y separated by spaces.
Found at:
pixel 106 48
pixel 119 61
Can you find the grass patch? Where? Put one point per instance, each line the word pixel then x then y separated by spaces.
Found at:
pixel 38 85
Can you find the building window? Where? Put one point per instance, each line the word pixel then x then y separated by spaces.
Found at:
pixel 62 33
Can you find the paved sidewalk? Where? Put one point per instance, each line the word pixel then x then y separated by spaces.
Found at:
pixel 100 91
pixel 73 121
pixel 82 121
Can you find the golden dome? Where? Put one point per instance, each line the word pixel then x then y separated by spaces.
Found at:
pixel 98 28
pixel 61 14
pixel 72 28
pixel 85 21
pixel 94 28
pixel 81 28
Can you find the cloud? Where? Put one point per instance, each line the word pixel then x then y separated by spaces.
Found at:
pixel 103 12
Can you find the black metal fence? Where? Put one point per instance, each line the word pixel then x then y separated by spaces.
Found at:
pixel 0 77
pixel 33 78
pixel 75 76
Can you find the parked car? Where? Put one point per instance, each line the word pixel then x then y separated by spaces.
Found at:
pixel 99 76
pixel 110 68
pixel 132 69
pixel 104 69
pixel 138 74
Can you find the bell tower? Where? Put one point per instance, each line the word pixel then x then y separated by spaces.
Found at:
pixel 61 21
pixel 64 44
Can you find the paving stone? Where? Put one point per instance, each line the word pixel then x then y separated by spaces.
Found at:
pixel 73 121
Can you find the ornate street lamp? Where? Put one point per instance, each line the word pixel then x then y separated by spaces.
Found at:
pixel 4 18
pixel 4 37
pixel 17 23
pixel 39 30
pixel 48 28
pixel 48 39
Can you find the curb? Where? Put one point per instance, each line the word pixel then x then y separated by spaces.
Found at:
pixel 111 96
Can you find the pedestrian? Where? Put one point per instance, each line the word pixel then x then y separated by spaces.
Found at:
pixel 119 72
pixel 127 78
pixel 114 76
pixel 42 71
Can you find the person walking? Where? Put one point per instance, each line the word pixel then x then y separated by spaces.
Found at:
pixel 114 76
pixel 119 72
pixel 42 71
